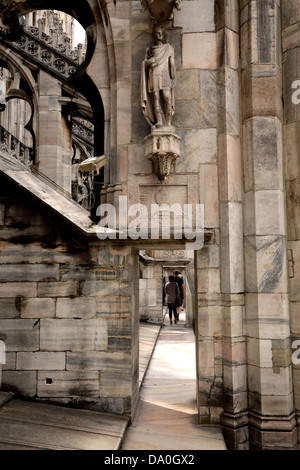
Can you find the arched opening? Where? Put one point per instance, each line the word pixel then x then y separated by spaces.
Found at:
pixel 56 43
pixel 16 132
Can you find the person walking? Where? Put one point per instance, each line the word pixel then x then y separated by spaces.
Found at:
pixel 171 294
pixel 180 282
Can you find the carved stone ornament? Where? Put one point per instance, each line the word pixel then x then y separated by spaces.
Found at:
pixel 158 75
pixel 162 148
pixel 161 10
pixel 10 27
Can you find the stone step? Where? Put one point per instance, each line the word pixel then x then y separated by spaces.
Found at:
pixel 40 426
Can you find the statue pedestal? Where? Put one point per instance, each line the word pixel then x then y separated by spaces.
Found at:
pixel 162 148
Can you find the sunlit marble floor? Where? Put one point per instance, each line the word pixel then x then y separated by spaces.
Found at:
pixel 166 416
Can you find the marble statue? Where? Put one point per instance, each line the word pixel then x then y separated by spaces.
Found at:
pixel 158 80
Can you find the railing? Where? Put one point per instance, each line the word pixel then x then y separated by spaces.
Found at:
pixel 83 130
pixel 10 144
pixel 50 51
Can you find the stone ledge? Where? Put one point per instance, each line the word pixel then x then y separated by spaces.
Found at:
pixel 5 397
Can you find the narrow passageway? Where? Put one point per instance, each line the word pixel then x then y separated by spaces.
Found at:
pixel 166 415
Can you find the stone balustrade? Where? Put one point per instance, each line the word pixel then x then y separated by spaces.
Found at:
pixel 13 146
pixel 52 51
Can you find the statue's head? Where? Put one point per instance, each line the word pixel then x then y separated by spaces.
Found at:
pixel 158 32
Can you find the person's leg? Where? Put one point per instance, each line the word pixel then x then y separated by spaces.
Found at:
pixel 170 313
pixel 175 313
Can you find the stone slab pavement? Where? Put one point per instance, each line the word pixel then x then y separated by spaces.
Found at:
pixel 166 418
pixel 26 425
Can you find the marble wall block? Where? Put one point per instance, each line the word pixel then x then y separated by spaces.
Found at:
pixel 41 361
pixel 290 13
pixel 22 334
pixel 230 168
pixel 81 307
pixel 188 83
pixel 233 321
pixel 10 308
pixel 209 197
pixel 28 273
pixel 262 154
pixel 264 22
pixel 290 37
pixel 209 98
pixel 186 114
pixel 235 377
pixel 198 146
pixel 37 308
pixel 18 289
pixel 265 213
pixel 57 289
pixel 208 257
pixel 209 321
pixel 291 146
pixel 259 352
pixel 232 267
pixel 72 334
pixel 266 404
pixel 24 382
pixel 267 382
pixel 199 51
pixel 267 316
pixel 115 385
pixel 67 384
pixel 227 14
pixel 293 190
pixel 228 43
pixel 295 319
pixel 206 366
pixel 265 259
pixel 190 20
pixel 262 95
pixel 208 280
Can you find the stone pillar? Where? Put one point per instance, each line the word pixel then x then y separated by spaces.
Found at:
pixel 271 410
pixel 235 416
pixel 119 52
pixel 291 146
pixel 151 298
pixel 54 140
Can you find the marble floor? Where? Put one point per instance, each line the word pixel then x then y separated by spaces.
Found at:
pixel 166 415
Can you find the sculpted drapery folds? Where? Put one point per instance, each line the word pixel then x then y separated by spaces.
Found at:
pixel 158 80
